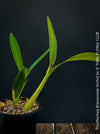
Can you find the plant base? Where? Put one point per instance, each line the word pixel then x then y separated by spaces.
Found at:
pixel 18 124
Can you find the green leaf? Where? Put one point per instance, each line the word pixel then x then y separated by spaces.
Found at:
pixel 37 61
pixel 89 56
pixel 52 43
pixel 16 51
pixel 18 84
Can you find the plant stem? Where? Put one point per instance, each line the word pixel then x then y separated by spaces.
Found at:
pixel 38 90
pixel 13 98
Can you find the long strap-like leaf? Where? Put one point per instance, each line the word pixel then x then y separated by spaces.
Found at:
pixel 37 61
pixel 16 51
pixel 89 56
pixel 52 42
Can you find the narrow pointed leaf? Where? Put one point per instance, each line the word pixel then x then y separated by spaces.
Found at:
pixel 18 83
pixel 89 56
pixel 37 61
pixel 16 51
pixel 52 43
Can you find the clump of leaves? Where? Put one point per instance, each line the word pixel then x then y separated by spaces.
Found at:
pixel 21 78
pixel 23 72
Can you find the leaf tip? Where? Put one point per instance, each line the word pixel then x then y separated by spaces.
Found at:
pixel 11 34
pixel 48 20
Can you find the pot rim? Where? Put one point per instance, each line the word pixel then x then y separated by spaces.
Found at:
pixel 23 114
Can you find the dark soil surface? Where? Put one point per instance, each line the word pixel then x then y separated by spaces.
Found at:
pixel 7 107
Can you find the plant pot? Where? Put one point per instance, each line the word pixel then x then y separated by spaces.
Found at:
pixel 19 123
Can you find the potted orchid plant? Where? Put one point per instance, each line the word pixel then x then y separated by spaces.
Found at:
pixel 19 113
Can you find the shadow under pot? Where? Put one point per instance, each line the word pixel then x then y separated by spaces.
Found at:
pixel 18 123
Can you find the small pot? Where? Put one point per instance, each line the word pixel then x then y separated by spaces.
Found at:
pixel 19 123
